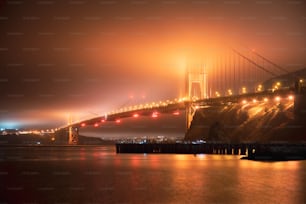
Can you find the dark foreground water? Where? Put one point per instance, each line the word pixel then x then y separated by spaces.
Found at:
pixel 99 175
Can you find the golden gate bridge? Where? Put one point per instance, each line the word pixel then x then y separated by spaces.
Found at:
pixel 237 77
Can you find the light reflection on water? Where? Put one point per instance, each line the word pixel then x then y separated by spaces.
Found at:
pixel 98 174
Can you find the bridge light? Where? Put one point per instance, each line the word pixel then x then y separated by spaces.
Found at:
pixel 229 91
pixel 176 113
pixel 83 124
pixel 277 98
pixel 277 85
pixel 259 88
pixel 135 115
pixel 290 97
pixel 217 94
pixel 154 114
pixel 244 90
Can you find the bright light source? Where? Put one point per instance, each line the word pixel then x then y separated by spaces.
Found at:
pixel 290 97
pixel 176 113
pixel 102 120
pixel 83 124
pixel 135 115
pixel 230 92
pixel 301 81
pixel 244 90
pixel 96 125
pixel 254 100
pixel 277 98
pixel 154 114
pixel 118 121
pixel 265 99
pixel 244 102
pixel 259 87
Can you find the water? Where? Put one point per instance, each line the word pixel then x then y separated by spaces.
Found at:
pixel 99 175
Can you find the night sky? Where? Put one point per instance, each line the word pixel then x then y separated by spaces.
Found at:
pixel 85 58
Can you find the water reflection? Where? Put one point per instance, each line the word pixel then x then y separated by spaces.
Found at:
pixel 98 174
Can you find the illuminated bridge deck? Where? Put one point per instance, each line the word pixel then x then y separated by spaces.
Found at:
pixel 172 107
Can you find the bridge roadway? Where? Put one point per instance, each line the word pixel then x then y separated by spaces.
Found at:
pixel 173 107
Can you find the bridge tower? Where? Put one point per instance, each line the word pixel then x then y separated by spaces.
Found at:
pixel 196 89
pixel 73 133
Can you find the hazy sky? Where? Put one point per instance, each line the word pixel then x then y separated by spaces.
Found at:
pixel 83 58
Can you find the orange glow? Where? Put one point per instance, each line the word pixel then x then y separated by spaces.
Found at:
pixel 83 124
pixel 265 99
pixel 118 121
pixel 141 52
pixel 244 102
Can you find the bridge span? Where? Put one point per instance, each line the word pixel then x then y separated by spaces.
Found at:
pixel 238 78
pixel 178 107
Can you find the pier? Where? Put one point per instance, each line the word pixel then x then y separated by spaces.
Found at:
pixel 251 150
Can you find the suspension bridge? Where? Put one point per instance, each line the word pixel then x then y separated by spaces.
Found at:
pixel 237 77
